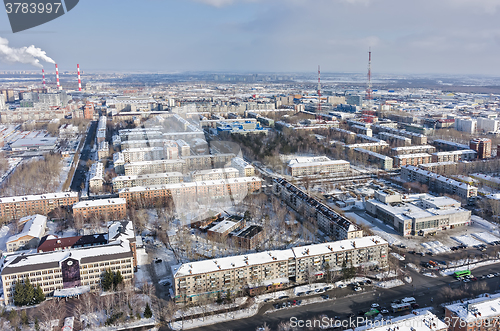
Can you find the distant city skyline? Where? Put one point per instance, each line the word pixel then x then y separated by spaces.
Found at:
pixel 281 36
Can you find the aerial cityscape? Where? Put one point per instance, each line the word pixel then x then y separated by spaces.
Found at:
pixel 253 182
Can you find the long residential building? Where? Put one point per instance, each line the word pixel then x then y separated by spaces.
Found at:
pixel 144 154
pixel 186 193
pixel 245 168
pixel 327 219
pixel 449 145
pixel 303 166
pixel 413 149
pixel 441 167
pixel 274 269
pixel 214 174
pixel 147 180
pixel 151 167
pixel 142 143
pixel 113 209
pixel 96 177
pixel 395 139
pixel 438 183
pixel 381 161
pixel 454 156
pixel 19 206
pixel 411 159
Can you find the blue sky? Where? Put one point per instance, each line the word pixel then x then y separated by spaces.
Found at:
pixel 423 37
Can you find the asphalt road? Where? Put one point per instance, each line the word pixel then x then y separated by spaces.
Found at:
pixel 426 290
pixel 84 157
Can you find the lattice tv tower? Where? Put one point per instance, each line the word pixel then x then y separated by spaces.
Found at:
pixel 319 92
pixel 369 89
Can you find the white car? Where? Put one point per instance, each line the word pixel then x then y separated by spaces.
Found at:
pixel 384 311
pixel 341 286
pixel 490 275
pixel 357 289
pixel 375 305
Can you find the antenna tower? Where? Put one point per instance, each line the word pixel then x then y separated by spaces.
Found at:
pixel 319 92
pixel 369 89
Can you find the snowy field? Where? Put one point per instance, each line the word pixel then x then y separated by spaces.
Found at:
pixel 390 283
pixel 467 240
pixel 436 247
pixel 450 271
pixel 486 237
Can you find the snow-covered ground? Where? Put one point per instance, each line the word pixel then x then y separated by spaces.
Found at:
pixel 486 237
pixel 436 247
pixel 190 311
pixel 484 223
pixel 397 256
pixel 391 239
pixel 467 240
pixel 390 283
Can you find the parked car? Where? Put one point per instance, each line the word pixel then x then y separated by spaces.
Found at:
pixel 325 297
pixel 384 311
pixel 375 305
pixel 357 289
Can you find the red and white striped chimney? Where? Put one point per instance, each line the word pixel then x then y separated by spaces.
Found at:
pixel 43 77
pixel 57 78
pixel 79 80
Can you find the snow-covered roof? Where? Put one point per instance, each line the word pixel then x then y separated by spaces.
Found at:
pixel 238 161
pixel 96 171
pixel 121 230
pixel 313 161
pixel 118 158
pixel 425 321
pixel 34 226
pixel 20 263
pixel 214 171
pixel 459 152
pixel 222 226
pixel 409 156
pixel 192 184
pixel 99 202
pixel 414 147
pixel 434 175
pixel 44 196
pixel 477 309
pixel 155 175
pixel 234 262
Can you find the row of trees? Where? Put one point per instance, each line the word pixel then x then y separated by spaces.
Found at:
pixel 25 294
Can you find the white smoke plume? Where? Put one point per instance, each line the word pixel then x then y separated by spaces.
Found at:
pixel 30 55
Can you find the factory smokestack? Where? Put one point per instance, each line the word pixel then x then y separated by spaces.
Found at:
pixel 57 78
pixel 79 80
pixel 43 78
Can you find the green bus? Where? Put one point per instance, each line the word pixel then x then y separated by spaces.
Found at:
pixel 463 273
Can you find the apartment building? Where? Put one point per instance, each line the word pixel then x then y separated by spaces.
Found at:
pixel 184 148
pixel 454 156
pixel 441 167
pixel 147 180
pixel 276 269
pixel 362 130
pixel 438 183
pixel 480 314
pixel 141 134
pixel 327 219
pixel 152 167
pixel 416 138
pixel 101 129
pixel 449 145
pixel 249 237
pixel 381 161
pixel 304 166
pixel 394 139
pixel 417 214
pixel 128 144
pixel 374 147
pixel 411 159
pixel 96 177
pixel 111 208
pixel 67 270
pixel 103 150
pixel 202 162
pixel 214 174
pixel 482 146
pixel 185 193
pixel 413 150
pixel 19 206
pixel 143 154
pixel 245 169
pixel 29 237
